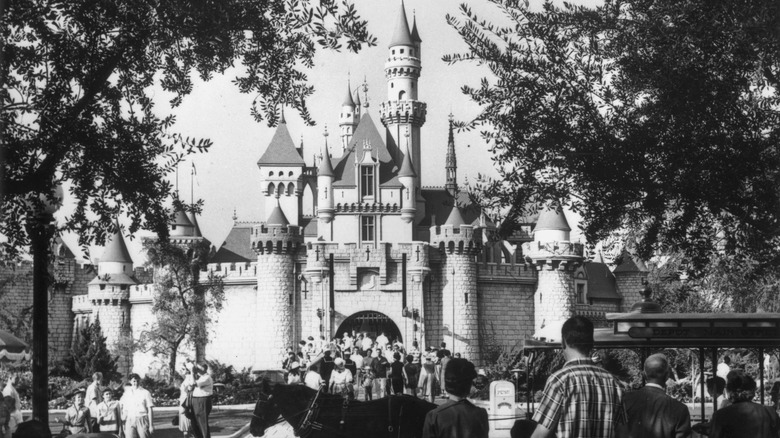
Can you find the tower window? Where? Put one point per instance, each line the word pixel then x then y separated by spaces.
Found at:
pixel 393 51
pixel 366 181
pixel 580 293
pixel 392 85
pixel 402 51
pixel 401 95
pixel 367 228
pixel 411 52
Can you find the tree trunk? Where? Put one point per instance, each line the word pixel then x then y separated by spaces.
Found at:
pixel 40 235
pixel 172 363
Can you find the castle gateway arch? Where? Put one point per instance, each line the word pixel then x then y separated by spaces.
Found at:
pixel 370 322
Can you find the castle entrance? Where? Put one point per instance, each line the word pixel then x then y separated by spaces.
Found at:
pixel 372 323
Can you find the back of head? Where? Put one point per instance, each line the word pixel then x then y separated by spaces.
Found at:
pixel 740 386
pixel 577 333
pixel 716 385
pixel 32 429
pixel 657 369
pixel 458 377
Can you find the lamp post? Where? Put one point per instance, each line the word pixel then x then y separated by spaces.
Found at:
pixel 40 228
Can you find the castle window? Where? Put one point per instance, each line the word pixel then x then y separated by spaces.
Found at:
pixel 366 181
pixel 290 189
pixel 271 189
pixel 367 228
pixel 581 291
pixel 392 85
pixel 393 51
pixel 401 95
pixel 402 51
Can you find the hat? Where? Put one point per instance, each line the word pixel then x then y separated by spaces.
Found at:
pixel 295 365
pixel 311 338
pixel 75 391
pixel 338 362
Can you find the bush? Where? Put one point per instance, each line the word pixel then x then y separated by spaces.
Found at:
pixel 90 355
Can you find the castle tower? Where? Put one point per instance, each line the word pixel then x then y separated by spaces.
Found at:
pixel 459 243
pixel 281 170
pixel 556 258
pixel 348 118
pixel 276 243
pixel 403 112
pixel 325 209
pixel 109 295
pixel 451 164
pixel 408 178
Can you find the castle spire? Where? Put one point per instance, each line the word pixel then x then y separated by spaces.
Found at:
pixel 451 165
pixel 407 168
pixel 348 98
pixel 415 35
pixel 401 35
pixel 326 167
pixel 281 116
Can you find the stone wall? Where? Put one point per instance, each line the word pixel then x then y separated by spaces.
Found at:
pixel 233 337
pixel 460 306
pixel 274 317
pixel 554 299
pixel 630 287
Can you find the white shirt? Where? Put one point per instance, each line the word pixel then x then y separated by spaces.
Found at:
pixel 358 359
pixel 382 340
pixel 341 377
pixel 136 402
pixel 366 343
pixel 723 370
pixel 313 380
pixel 204 386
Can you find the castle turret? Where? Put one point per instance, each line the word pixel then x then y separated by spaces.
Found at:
pixel 556 258
pixel 458 244
pixel 451 165
pixel 408 178
pixel 276 243
pixel 325 207
pixel 109 295
pixel 403 112
pixel 348 118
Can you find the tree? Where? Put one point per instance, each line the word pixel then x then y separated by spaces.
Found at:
pixel 90 355
pixel 658 116
pixel 77 108
pixel 183 305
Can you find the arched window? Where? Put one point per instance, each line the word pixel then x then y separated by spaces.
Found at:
pixel 271 188
pixel 281 173
pixel 401 95
pixel 280 189
pixel 290 174
pixel 290 189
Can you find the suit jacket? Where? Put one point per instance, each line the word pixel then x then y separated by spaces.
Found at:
pixel 745 419
pixel 456 419
pixel 653 414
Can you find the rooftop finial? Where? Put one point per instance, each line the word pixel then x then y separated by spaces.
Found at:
pixel 235 216
pixel 365 91
pixel 325 133
pixel 281 116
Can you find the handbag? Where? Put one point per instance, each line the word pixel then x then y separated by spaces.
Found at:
pixel 189 412
pixel 175 420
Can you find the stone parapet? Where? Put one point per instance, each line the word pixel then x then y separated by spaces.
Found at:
pixel 367 207
pixel 395 112
pixel 505 273
pixel 110 294
pixel 457 239
pixel 142 293
pixel 232 271
pixel 276 239
pixel 554 255
pixel 81 304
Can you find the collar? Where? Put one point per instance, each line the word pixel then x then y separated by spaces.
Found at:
pixel 580 361
pixel 655 385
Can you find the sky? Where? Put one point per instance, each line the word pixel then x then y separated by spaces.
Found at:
pixel 227 177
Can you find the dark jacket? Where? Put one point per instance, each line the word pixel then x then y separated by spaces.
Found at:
pixel 380 366
pixel 745 419
pixel 456 419
pixel 653 414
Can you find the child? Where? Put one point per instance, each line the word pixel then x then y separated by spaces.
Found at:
pixel 109 414
pixel 7 405
pixel 77 415
pixel 368 382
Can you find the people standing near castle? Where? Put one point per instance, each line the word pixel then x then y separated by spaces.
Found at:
pixel 185 413
pixel 109 414
pixel 201 398
pixel 380 366
pixel 10 391
pixel 6 409
pixel 294 376
pixel 137 409
pixel 444 359
pixel 427 382
pixel 94 397
pixel 652 413
pixel 382 341
pixel 411 373
pixel 341 380
pixel 326 368
pixel 357 358
pixel 415 352
pixel 744 418
pixel 397 374
pixel 313 379
pixel 457 417
pixel 367 343
pixel 77 418
pixel 581 399
pixel 368 382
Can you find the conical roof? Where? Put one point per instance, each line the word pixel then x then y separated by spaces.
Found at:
pixel 181 219
pixel 348 98
pixel 455 218
pixel 116 250
pixel 629 263
pixel 401 35
pixel 407 168
pixel 277 217
pixel 357 99
pixel 552 219
pixel 194 220
pixel 415 35
pixel 326 167
pixel 281 150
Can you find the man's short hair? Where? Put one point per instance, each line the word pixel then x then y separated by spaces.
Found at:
pixel 107 389
pixel 458 377
pixel 577 332
pixel 657 367
pixel 716 385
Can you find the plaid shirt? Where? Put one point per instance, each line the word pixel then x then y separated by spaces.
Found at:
pixel 581 400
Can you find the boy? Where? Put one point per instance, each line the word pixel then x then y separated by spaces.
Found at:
pixel 368 382
pixel 77 418
pixel 109 413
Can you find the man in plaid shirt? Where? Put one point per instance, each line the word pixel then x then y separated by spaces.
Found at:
pixel 581 400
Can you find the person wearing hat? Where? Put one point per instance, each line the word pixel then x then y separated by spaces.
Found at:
pixel 294 377
pixel 137 409
pixel 77 418
pixel 341 379
pixel 457 417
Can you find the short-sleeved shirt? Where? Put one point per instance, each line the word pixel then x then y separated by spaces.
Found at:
pixel 109 416
pixel 77 419
pixel 581 400
pixel 136 402
pixel 204 386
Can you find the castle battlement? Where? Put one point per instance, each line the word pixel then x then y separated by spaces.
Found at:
pixel 554 255
pixel 505 273
pixel 81 304
pixel 233 270
pixel 268 239
pixel 403 111
pixel 365 207
pixel 141 293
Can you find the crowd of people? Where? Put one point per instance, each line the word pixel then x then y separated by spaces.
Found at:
pixel 358 362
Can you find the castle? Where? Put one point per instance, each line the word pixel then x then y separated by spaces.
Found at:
pixel 356 242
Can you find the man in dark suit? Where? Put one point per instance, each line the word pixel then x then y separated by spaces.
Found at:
pixel 457 417
pixel 652 413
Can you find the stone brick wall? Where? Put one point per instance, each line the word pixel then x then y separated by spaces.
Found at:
pixel 630 287
pixel 554 300
pixel 274 317
pixel 460 306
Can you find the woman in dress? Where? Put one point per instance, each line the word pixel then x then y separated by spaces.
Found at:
pixel 427 378
pixel 397 374
pixel 185 423
pixel 16 413
pixel 411 375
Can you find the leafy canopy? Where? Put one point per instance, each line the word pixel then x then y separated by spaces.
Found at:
pixel 658 116
pixel 78 87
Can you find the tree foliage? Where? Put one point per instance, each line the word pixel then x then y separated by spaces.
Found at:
pixel 659 116
pixel 184 305
pixel 79 78
pixel 90 355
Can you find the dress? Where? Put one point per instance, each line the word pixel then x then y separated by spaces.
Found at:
pixel 745 419
pixel 427 379
pixel 581 400
pixel 397 377
pixel 411 373
pixel 185 424
pixel 456 419
pixel 16 415
pixel 652 413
